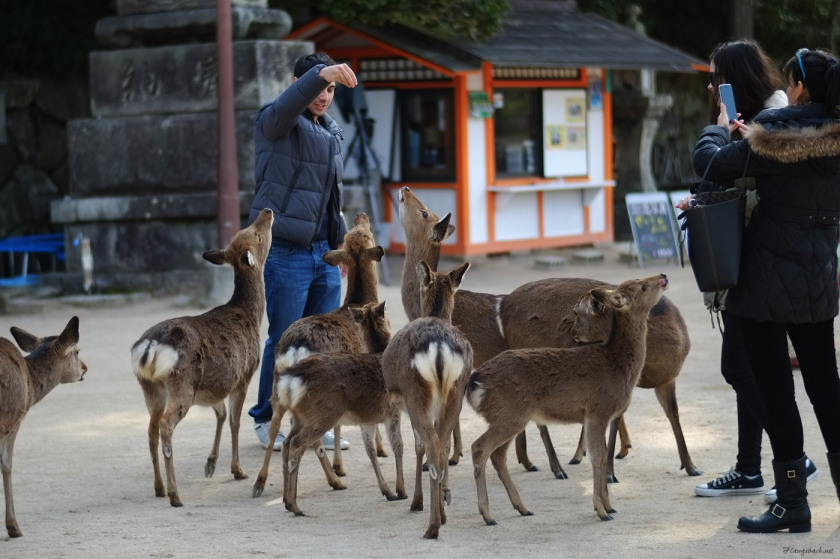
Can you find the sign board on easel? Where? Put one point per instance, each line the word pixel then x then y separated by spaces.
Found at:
pixel 654 226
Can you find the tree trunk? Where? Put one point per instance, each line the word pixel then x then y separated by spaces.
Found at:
pixel 741 19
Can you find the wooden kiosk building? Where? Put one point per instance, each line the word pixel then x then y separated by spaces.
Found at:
pixel 514 136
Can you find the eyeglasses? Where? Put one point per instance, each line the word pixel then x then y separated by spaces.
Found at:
pixel 799 54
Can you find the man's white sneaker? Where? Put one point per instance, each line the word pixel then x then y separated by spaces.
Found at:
pixel 262 434
pixel 329 442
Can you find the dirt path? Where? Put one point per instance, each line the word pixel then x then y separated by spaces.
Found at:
pixel 83 479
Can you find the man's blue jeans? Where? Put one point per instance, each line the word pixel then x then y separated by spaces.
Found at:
pixel 297 284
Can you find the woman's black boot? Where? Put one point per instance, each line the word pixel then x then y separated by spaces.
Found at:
pixel 790 511
pixel 834 466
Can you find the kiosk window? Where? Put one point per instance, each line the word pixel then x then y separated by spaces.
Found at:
pixel 428 135
pixel 518 130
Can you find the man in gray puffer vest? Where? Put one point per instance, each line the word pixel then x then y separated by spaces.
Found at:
pixel 298 171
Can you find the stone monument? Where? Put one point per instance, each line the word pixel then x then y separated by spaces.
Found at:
pixel 143 168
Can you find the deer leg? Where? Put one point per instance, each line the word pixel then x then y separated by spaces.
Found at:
pixel 338 463
pixel 553 462
pixel 436 458
pixel 293 448
pixel 596 446
pixel 667 396
pixel 315 434
pixel 420 452
pixel 221 415
pixel 273 429
pixel 155 403
pixel 174 413
pixel 580 451
pixel 499 460
pixel 482 449
pixel 458 444
pixel 380 447
pixel 368 438
pixel 395 438
pixel 236 401
pixel 7 448
pixel 624 434
pixel 610 475
pixel 522 452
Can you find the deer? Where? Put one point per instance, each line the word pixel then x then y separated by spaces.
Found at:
pixel 590 384
pixel 336 330
pixel 526 317
pixel 206 358
pixel 424 234
pixel 24 381
pixel 428 362
pixel 328 389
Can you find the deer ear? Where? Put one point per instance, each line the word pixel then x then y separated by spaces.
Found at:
pixel 70 335
pixel 25 340
pixel 457 275
pixel 380 309
pixel 375 253
pixel 247 259
pixel 216 257
pixel 357 313
pixel 617 299
pixel 424 273
pixel 442 229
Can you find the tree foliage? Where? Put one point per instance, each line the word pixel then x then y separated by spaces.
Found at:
pixel 472 19
pixel 780 26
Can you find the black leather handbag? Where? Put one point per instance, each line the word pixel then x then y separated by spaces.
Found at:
pixel 713 229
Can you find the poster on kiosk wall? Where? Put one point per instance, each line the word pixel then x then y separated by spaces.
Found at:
pixel 564 132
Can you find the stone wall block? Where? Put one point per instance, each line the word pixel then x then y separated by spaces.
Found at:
pixel 154 154
pixel 182 78
pixel 126 7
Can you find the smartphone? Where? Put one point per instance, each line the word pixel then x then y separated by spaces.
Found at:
pixel 728 99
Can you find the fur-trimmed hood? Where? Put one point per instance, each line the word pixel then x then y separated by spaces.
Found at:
pixel 795 133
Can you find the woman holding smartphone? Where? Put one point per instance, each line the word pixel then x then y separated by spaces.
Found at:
pixel 788 281
pixel 755 83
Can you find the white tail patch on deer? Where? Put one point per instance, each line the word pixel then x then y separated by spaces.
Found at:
pixel 152 360
pixel 441 367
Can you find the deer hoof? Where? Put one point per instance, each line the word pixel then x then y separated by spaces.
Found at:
pixel 692 471
pixel 209 468
pixel 239 474
pixel 491 522
pixel 447 497
pixel 257 490
pixel 532 468
pixel 453 461
pixel 606 517
pixel 574 461
pixel 561 474
pixel 13 530
pixel 611 478
pixel 174 500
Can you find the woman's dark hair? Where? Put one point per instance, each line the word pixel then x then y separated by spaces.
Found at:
pixel 753 76
pixel 821 75
pixel 308 61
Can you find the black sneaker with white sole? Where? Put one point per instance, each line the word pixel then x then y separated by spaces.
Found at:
pixel 810 468
pixel 732 482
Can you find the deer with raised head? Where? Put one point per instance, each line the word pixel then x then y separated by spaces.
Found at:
pixel 528 317
pixel 424 234
pixel 206 358
pixel 24 381
pixel 335 331
pixel 590 384
pixel 328 389
pixel 428 362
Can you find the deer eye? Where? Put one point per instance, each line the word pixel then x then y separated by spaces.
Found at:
pixel 425 215
pixel 644 287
